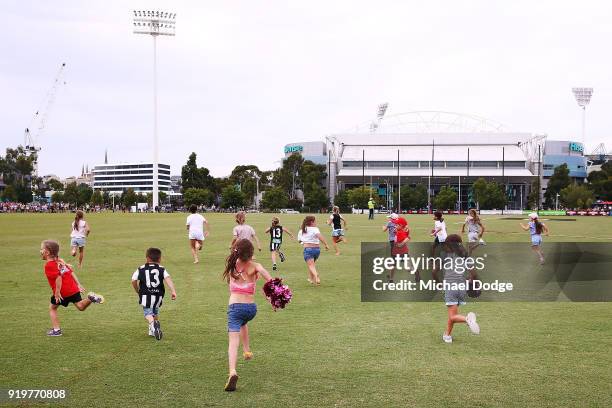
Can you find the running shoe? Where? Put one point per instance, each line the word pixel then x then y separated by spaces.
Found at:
pixel 482 242
pixel 273 267
pixel 447 339
pixel 151 330
pixel 282 256
pixel 157 331
pixel 248 355
pixel 231 383
pixel 470 319
pixel 54 333
pixel 95 298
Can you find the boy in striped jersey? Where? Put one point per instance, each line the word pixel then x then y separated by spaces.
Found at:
pixel 148 282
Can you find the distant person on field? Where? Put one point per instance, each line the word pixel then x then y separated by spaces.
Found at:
pixel 64 284
pixel 78 236
pixel 536 228
pixel 276 240
pixel 390 228
pixel 336 221
pixel 475 230
pixel 439 231
pixel 243 231
pixel 197 226
pixel 311 238
pixel 371 208
pixel 148 282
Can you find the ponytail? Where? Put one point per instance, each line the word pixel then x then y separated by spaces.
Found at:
pixel 307 221
pixel 78 217
pixel 538 226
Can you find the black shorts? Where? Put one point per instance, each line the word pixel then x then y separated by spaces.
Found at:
pixel 68 300
pixel 275 246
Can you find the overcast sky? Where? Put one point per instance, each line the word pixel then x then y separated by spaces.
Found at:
pixel 243 78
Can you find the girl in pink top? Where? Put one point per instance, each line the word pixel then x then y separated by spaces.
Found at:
pixel 241 273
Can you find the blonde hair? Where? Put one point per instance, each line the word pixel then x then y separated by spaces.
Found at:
pixel 472 212
pixel 240 217
pixel 336 209
pixel 275 221
pixel 78 217
pixel 307 222
pixel 52 247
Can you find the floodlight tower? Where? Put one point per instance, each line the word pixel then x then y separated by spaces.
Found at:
pixel 583 97
pixel 154 23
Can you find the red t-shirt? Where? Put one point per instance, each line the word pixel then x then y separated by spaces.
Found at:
pixel 400 236
pixel 69 285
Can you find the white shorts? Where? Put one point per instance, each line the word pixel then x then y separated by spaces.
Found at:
pixel 196 235
pixel 473 237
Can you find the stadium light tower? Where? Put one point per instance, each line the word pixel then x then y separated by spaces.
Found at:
pixel 154 23
pixel 583 97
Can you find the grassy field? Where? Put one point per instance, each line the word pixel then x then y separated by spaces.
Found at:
pixel 326 349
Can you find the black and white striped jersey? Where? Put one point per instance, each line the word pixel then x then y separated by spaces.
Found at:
pixel 151 288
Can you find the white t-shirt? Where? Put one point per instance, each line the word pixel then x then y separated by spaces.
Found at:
pixel 80 232
pixel 196 224
pixel 441 235
pixel 310 236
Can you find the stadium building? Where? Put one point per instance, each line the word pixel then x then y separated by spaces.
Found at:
pixel 117 178
pixel 435 149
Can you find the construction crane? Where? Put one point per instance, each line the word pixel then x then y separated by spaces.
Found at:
pixel 37 124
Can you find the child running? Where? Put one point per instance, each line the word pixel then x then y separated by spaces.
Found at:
pixel 311 237
pixel 400 246
pixel 536 228
pixel 80 231
pixel 390 228
pixel 241 273
pixel 243 231
pixel 276 239
pixel 439 231
pixel 197 226
pixel 336 221
pixel 64 284
pixel 148 282
pixel 475 230
pixel 453 248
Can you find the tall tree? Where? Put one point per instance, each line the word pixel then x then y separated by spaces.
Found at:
pixel 577 196
pixel 315 198
pixel 557 182
pixel 193 176
pixel 274 199
pixel 446 199
pixel 232 197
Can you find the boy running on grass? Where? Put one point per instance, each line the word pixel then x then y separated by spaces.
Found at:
pixel 148 282
pixel 64 284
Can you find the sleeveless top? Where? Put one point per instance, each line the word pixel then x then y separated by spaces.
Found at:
pixel 245 288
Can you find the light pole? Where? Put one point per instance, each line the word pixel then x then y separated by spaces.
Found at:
pixel 557 202
pixel 583 97
pixel 154 23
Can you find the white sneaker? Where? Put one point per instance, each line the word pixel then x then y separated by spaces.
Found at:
pixel 151 330
pixel 447 339
pixel 482 242
pixel 470 319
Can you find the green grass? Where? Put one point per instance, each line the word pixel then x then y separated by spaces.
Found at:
pixel 326 349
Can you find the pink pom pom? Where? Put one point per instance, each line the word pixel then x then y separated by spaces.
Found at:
pixel 277 294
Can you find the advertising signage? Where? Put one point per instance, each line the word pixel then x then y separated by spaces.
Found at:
pixel 576 147
pixel 294 149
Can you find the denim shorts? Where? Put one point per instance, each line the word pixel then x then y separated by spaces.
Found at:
pixel 312 253
pixel 239 314
pixel 337 233
pixel 454 297
pixel 77 242
pixel 536 240
pixel 151 311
